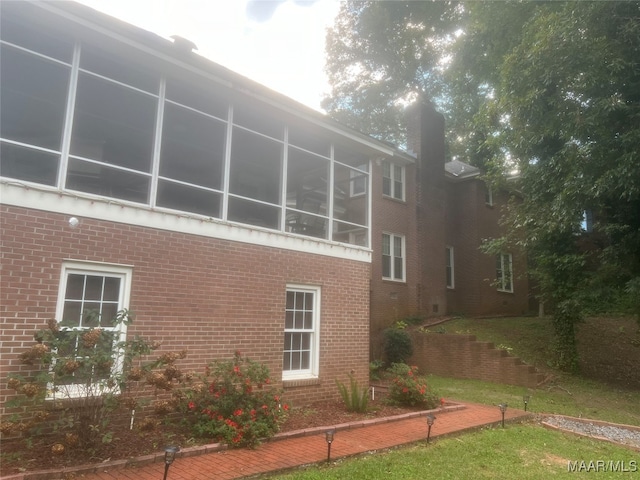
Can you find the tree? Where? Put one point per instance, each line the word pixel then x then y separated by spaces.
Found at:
pixel 550 89
pixel 381 56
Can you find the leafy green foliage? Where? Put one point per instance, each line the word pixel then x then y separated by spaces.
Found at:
pixel 232 403
pixel 355 399
pixel 548 89
pixel 397 345
pixel 71 385
pixel 407 388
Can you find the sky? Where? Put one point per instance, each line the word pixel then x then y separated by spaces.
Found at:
pixel 278 43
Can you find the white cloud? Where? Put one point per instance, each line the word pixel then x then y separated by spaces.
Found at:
pixel 284 52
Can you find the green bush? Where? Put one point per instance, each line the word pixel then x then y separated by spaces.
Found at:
pixel 230 403
pixel 397 345
pixel 356 399
pixel 407 388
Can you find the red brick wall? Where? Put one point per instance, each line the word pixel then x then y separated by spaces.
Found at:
pixel 470 221
pixel 205 295
pixel 461 356
pixel 392 300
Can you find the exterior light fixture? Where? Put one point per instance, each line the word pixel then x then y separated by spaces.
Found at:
pixel 74 222
pixel 329 438
pixel 430 420
pixel 169 457
pixel 503 408
pixel 525 399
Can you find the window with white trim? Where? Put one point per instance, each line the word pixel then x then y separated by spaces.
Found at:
pixel 504 272
pixel 488 196
pixel 393 180
pixel 358 184
pixel 90 298
pixel 450 271
pixel 302 319
pixel 393 257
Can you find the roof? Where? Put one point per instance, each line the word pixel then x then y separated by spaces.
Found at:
pixel 457 170
pixel 175 52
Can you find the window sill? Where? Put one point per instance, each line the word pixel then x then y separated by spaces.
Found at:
pixel 505 291
pixel 394 199
pixel 401 282
pixel 300 382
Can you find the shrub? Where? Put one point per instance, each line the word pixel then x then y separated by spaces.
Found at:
pixel 397 345
pixel 375 369
pixel 71 372
pixel 356 399
pixel 230 403
pixel 407 388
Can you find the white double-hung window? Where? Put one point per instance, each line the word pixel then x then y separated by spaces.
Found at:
pixel 89 300
pixel 450 269
pixel 302 322
pixel 393 257
pixel 393 180
pixel 504 272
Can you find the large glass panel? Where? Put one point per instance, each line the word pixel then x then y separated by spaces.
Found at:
pixel 352 209
pixel 306 224
pixel 307 182
pixel 255 166
pixel 188 199
pixel 28 164
pixel 117 68
pixel 59 46
pixel 113 124
pixel 258 119
pixel 109 182
pixel 205 101
pixel 33 96
pixel 309 141
pixel 254 213
pixel 350 233
pixel 193 147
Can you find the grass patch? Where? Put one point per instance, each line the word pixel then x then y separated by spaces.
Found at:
pixel 567 396
pixel 519 451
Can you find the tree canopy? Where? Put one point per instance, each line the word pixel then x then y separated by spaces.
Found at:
pixel 550 90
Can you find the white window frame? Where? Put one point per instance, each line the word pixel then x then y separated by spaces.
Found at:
pixel 504 272
pixel 124 273
pixel 394 239
pixel 358 184
pixel 488 196
pixel 314 361
pixel 451 279
pixel 393 180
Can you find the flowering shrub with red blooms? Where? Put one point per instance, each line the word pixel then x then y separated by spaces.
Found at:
pixel 230 403
pixel 407 388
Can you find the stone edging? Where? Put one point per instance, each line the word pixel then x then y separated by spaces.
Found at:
pixel 593 422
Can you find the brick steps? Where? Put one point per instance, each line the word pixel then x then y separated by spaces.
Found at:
pixel 463 356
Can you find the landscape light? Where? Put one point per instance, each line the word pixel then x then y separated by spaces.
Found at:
pixel 169 457
pixel 503 408
pixel 525 399
pixel 430 420
pixel 329 437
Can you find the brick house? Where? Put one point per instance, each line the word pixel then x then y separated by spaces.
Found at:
pixel 137 174
pixel 427 229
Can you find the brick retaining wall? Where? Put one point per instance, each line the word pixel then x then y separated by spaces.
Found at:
pixel 462 356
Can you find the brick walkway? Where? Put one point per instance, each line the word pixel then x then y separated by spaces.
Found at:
pixel 291 450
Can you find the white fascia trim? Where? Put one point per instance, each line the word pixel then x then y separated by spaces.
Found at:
pixel 81 205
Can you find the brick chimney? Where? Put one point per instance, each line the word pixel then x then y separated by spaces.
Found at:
pixel 425 137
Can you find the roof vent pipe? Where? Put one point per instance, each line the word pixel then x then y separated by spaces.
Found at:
pixel 182 44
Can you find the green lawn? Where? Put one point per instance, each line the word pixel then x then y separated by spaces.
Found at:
pixel 519 451
pixel 523 451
